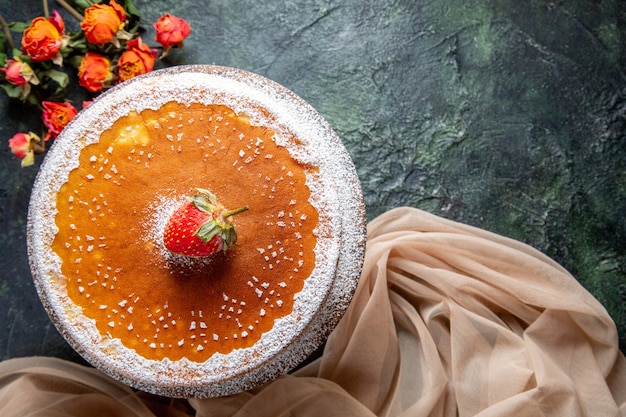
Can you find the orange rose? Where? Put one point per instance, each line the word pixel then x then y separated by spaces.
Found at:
pixel 56 116
pixel 102 22
pixel 171 30
pixel 43 38
pixel 94 72
pixel 22 146
pixel 138 59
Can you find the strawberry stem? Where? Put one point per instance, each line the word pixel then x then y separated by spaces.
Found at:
pixel 229 213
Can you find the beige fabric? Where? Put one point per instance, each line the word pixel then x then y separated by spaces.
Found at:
pixel 448 320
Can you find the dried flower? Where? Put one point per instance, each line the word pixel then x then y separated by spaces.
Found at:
pixel 56 116
pixel 57 21
pixel 20 74
pixel 102 23
pixel 103 53
pixel 171 30
pixel 94 72
pixel 42 40
pixel 138 59
pixel 23 146
pixel 13 72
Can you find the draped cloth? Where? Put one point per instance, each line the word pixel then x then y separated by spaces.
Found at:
pixel 447 320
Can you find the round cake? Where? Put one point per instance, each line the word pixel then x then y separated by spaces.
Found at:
pixel 196 326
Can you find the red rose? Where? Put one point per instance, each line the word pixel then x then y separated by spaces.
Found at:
pixel 22 145
pixel 21 75
pixel 102 22
pixel 94 72
pixel 43 38
pixel 171 30
pixel 18 73
pixel 56 116
pixel 138 59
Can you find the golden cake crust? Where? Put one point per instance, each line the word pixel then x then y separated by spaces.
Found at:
pixel 110 219
pixel 158 324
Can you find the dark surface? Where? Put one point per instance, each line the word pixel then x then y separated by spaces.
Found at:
pixel 507 115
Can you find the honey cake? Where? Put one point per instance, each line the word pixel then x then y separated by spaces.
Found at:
pixel 196 327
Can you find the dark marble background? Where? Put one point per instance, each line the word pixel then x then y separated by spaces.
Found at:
pixel 504 114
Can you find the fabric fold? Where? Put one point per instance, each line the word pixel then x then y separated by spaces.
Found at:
pixel 447 320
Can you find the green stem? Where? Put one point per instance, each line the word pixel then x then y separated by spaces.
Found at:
pixel 233 212
pixel 39 147
pixel 7 32
pixel 46 10
pixel 70 9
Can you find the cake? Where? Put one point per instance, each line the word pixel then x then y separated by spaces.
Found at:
pixel 208 326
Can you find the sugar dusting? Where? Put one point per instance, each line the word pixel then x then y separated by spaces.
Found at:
pixel 335 193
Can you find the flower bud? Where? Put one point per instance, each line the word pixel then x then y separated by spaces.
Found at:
pixel 13 72
pixel 21 75
pixel 171 30
pixel 22 146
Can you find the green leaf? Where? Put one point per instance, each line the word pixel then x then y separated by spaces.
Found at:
pixel 28 160
pixel 33 100
pixel 78 45
pixel 130 8
pixel 59 77
pixel 80 5
pixel 74 60
pixel 3 59
pixel 13 91
pixel 18 26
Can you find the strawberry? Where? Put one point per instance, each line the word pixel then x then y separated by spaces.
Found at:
pixel 200 227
